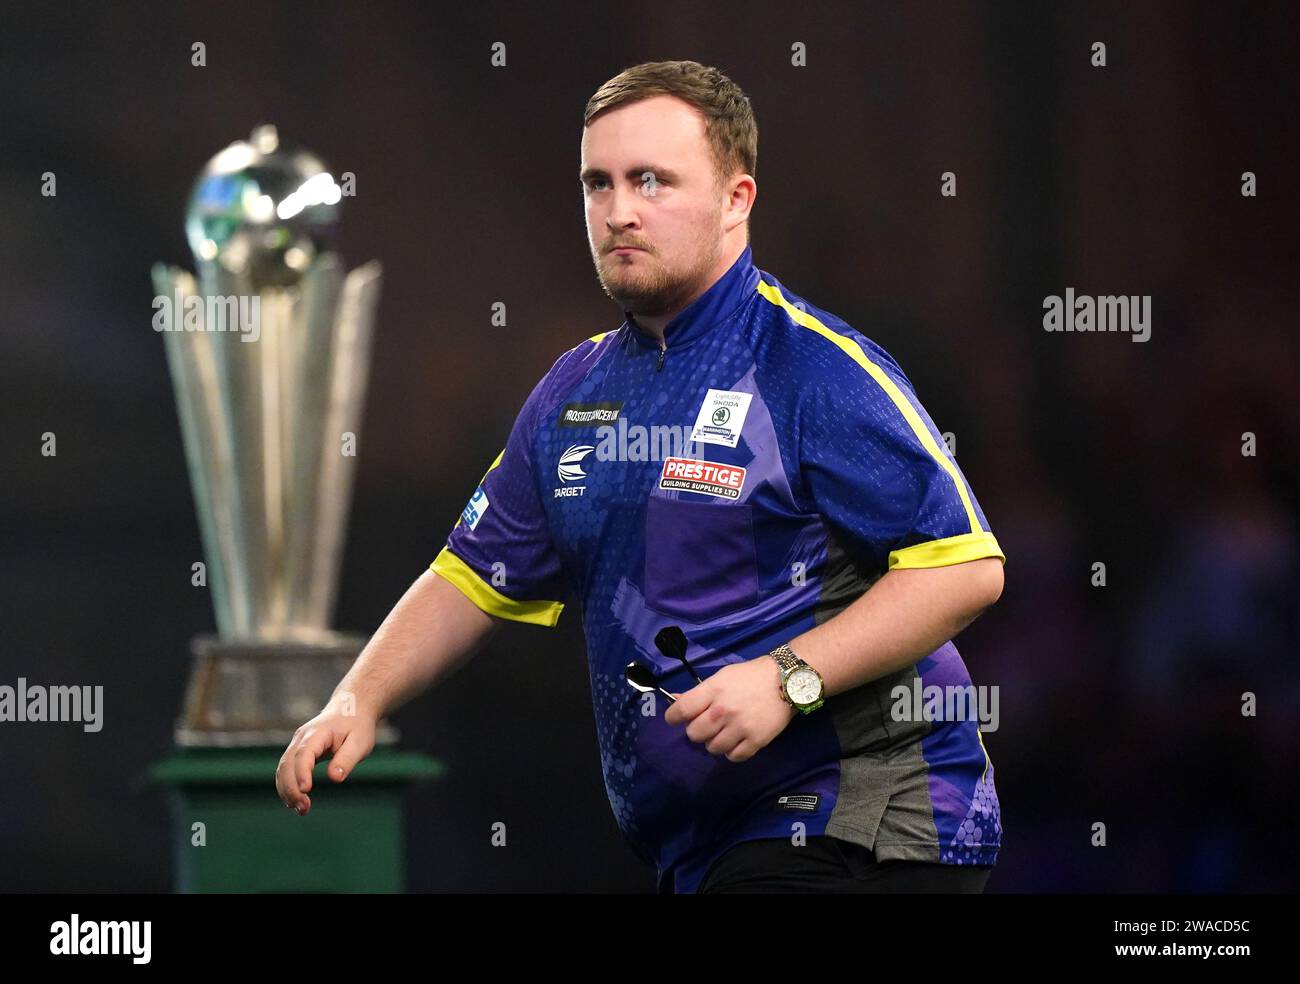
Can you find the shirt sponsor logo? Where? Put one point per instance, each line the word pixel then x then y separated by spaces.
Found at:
pixel 475 508
pixel 590 414
pixel 705 477
pixel 570 469
pixel 721 417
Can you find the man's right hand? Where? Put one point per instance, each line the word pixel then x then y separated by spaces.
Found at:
pixel 351 737
pixel 430 631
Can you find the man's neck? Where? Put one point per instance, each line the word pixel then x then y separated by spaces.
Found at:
pixel 655 324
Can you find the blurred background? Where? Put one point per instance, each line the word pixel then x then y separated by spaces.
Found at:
pixel 1119 704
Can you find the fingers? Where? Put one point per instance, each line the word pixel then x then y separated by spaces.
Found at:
pixel 355 747
pixel 724 741
pixel 743 752
pixel 707 726
pixel 733 745
pixel 350 740
pixel 293 774
pixel 311 748
pixel 688 704
pixel 286 785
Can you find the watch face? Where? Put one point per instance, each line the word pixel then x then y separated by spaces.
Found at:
pixel 804 686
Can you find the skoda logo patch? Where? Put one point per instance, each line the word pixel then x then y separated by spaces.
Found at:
pixel 721 417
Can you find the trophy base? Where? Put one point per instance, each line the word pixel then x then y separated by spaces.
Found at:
pixel 249 694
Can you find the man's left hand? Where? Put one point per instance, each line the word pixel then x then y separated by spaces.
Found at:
pixel 735 712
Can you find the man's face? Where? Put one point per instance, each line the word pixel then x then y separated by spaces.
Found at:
pixel 649 182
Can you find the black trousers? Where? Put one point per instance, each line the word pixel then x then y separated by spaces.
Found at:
pixel 832 866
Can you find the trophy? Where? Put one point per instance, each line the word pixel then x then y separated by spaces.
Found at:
pixel 268 351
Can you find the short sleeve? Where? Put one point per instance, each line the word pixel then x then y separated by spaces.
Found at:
pixel 500 553
pixel 878 470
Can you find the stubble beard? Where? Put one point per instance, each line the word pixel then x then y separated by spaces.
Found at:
pixel 644 286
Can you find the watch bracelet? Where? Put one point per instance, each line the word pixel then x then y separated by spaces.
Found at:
pixel 785 658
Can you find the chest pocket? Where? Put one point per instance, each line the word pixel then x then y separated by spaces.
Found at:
pixel 700 562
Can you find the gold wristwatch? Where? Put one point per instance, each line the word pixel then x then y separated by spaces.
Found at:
pixel 801 685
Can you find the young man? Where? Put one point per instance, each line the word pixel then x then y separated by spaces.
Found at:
pixel 741 465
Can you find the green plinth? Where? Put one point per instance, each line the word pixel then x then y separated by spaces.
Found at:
pixel 353 840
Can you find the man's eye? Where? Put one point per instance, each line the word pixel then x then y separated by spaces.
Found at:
pixel 591 185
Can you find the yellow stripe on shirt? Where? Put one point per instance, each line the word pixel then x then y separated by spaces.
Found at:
pixel 949 550
pixel 978 543
pixel 488 598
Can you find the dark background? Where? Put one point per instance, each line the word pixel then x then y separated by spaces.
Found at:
pixel 1119 704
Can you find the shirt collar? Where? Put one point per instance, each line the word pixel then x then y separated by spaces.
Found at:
pixel 712 307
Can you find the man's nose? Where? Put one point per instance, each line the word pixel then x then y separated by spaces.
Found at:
pixel 624 210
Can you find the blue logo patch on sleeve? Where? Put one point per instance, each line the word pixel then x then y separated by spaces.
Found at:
pixel 475 508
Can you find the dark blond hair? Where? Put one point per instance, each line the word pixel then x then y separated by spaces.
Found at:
pixel 728 116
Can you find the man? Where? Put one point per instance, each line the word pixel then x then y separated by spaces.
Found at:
pixel 745 467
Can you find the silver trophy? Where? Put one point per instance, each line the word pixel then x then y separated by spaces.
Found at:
pixel 269 350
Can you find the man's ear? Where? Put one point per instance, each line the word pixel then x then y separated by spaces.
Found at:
pixel 743 185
